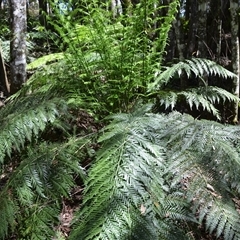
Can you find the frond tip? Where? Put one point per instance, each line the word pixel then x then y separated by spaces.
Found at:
pixel 202 98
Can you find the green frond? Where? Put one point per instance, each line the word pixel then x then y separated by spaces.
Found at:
pixel 197 98
pixel 223 218
pixel 204 162
pixel 8 210
pixel 202 98
pixel 24 121
pixel 165 27
pixel 46 173
pixel 38 221
pixel 125 185
pixel 196 66
pixel 168 99
pixel 40 62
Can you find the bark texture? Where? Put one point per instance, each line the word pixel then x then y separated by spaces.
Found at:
pixel 4 85
pixel 202 35
pixel 43 12
pixel 18 44
pixel 234 6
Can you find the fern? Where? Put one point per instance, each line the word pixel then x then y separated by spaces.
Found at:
pixel 125 185
pixel 196 66
pixel 43 177
pixel 36 174
pixel 154 173
pixel 202 98
pixel 125 54
pixel 8 209
pixel 198 160
pixel 17 128
pixel 204 156
pixel 40 62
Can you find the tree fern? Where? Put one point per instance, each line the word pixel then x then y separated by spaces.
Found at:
pixel 141 153
pixel 125 185
pixel 205 162
pixel 37 185
pixel 153 172
pixel 202 98
pixel 8 209
pixel 17 128
pixel 126 54
pixel 35 174
pixel 196 66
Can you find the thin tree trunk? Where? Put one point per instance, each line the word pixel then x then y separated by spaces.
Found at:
pixel 219 31
pixel 18 44
pixel 179 32
pixel 234 6
pixel 192 33
pixel 116 7
pixel 202 35
pixel 42 13
pixel 4 84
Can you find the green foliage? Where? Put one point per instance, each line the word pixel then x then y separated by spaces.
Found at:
pixel 5 50
pixel 155 171
pixel 196 66
pixel 205 157
pixel 22 123
pixel 4 24
pixel 202 98
pixel 36 173
pixel 112 64
pixel 126 196
pixel 114 60
pixel 40 62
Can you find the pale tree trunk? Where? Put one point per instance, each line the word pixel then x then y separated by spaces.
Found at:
pixel 116 7
pixel 18 44
pixel 179 32
pixel 202 35
pixel 219 35
pixel 234 6
pixel 4 85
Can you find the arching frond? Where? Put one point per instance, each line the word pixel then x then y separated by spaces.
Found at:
pixel 21 122
pixel 141 154
pixel 205 162
pixel 38 184
pixel 125 185
pixel 195 66
pixel 202 98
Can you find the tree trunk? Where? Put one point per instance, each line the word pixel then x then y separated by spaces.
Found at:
pixel 202 35
pixel 192 33
pixel 116 7
pixel 42 12
pixel 179 32
pixel 18 44
pixel 4 85
pixel 219 31
pixel 234 6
